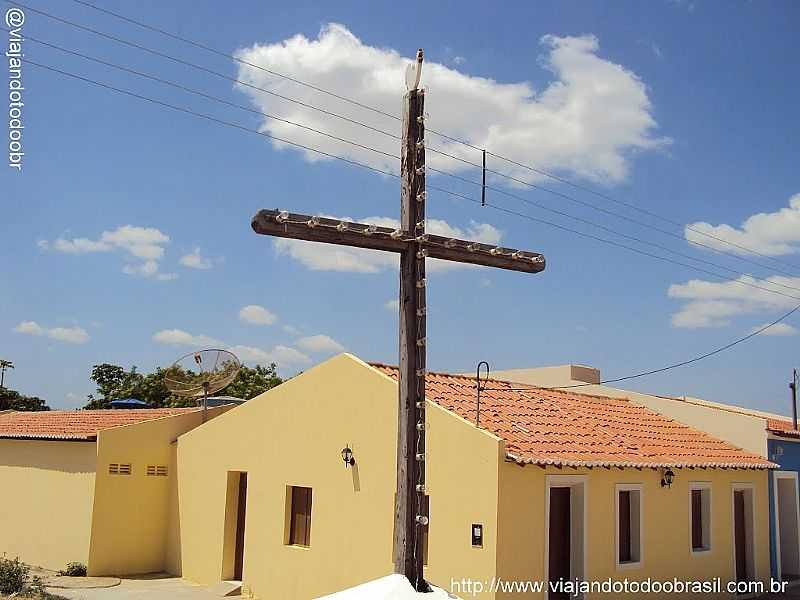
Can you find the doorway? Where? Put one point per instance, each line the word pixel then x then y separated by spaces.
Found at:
pixel 787 520
pixel 743 536
pixel 235 521
pixel 565 527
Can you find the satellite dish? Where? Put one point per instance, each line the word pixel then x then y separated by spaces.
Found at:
pixel 198 374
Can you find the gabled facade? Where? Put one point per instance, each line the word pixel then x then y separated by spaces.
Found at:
pixel 551 484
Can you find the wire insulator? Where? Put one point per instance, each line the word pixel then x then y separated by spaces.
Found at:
pixel 282 216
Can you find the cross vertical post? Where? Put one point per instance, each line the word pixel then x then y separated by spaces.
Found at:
pixel 414 246
pixel 410 517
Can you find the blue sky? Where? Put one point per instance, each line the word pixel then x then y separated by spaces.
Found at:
pixel 687 109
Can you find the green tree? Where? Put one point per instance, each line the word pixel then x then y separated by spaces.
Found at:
pixel 249 383
pixel 115 383
pixel 4 364
pixel 13 400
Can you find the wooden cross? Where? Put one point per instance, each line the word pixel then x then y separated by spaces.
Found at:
pixel 413 245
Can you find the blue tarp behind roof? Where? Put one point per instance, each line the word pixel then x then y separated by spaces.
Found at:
pixel 129 403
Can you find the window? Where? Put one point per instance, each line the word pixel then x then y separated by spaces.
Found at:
pixel 119 469
pixel 300 516
pixel 157 470
pixel 700 516
pixel 629 525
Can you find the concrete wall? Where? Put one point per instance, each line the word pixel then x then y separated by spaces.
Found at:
pixel 132 527
pixel 293 435
pixel 788 457
pixel 47 491
pixel 463 474
pixel 665 536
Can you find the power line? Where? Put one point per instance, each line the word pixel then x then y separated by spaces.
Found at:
pixel 187 63
pixel 394 156
pixel 389 134
pixel 384 172
pixel 533 169
pixel 208 96
pixel 683 363
pixel 235 58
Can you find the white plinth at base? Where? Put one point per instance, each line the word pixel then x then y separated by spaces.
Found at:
pixel 393 587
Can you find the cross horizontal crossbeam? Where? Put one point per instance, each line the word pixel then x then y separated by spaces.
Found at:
pixel 363 235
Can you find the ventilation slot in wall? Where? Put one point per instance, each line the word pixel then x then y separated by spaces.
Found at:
pixel 157 470
pixel 119 469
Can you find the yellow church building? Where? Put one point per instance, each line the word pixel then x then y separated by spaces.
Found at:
pixel 552 485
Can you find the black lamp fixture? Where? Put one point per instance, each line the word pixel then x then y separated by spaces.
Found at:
pixel 667 478
pixel 347 456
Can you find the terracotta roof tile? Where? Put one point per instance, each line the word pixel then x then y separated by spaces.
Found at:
pixel 781 427
pixel 75 424
pixel 566 428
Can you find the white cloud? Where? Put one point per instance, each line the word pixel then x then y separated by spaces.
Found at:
pixel 291 329
pixel 320 344
pixel 773 234
pixel 70 335
pixel 257 315
pixel 713 304
pixel 392 305
pixel 29 328
pixel 587 121
pixel 142 245
pixel 179 337
pixel 324 257
pixel 283 356
pixel 779 329
pixel 195 260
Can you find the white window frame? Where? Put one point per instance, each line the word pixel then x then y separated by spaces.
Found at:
pixel 628 487
pixel 705 486
pixel 776 475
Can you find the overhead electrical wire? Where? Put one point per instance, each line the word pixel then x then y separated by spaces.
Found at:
pixel 682 363
pixel 373 109
pixel 359 123
pixel 394 156
pixel 392 174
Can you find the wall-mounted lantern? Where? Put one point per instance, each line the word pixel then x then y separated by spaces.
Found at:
pixel 667 478
pixel 347 456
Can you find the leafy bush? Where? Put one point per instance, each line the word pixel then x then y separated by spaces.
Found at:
pixel 74 569
pixel 14 576
pixel 36 590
